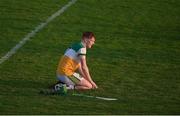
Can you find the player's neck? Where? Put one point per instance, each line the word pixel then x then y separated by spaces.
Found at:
pixel 83 43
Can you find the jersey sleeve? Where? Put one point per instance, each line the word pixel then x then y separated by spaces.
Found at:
pixel 82 51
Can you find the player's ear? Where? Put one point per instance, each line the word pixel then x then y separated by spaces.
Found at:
pixel 86 40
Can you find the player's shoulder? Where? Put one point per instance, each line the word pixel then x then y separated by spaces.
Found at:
pixel 82 51
pixel 78 47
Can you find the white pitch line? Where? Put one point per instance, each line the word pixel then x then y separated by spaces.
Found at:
pixel 102 98
pixel 33 32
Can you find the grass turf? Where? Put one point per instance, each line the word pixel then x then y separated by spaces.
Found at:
pixel 135 58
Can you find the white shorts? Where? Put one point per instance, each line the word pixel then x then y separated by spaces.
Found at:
pixel 71 80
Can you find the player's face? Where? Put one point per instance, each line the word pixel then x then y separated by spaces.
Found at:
pixel 90 42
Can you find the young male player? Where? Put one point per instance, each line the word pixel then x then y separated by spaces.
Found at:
pixel 72 68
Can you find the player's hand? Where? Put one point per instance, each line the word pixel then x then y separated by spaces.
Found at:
pixel 94 85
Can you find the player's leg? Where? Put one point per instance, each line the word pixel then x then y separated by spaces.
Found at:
pixel 64 79
pixel 80 82
pixel 83 84
pixel 74 82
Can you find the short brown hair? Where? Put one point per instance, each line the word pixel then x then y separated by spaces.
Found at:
pixel 88 35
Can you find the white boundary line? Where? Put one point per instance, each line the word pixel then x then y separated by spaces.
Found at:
pixel 102 98
pixel 33 32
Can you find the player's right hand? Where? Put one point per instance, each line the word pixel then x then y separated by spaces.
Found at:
pixel 94 85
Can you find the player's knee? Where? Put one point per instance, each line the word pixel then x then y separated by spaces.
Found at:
pixel 89 86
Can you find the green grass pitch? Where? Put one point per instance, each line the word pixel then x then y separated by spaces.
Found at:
pixel 136 57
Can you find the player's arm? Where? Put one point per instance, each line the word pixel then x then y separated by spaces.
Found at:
pixel 85 70
pixel 80 71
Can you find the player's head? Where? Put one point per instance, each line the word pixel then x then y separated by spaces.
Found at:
pixel 88 38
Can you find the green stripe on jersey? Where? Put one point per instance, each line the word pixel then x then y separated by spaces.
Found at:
pixel 77 46
pixel 81 54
